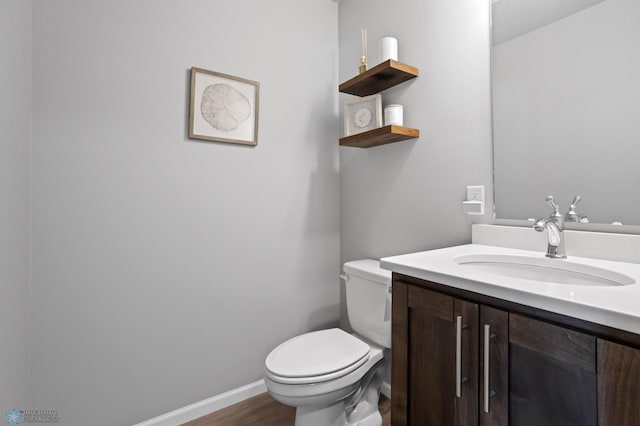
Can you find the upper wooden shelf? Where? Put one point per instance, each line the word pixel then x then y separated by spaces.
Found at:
pixel 381 77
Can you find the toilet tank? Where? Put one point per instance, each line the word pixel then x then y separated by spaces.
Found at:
pixel 369 300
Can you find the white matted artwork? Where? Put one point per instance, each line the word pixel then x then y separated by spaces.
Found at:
pixel 362 114
pixel 223 108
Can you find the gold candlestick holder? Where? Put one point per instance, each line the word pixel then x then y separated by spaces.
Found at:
pixel 363 64
pixel 363 59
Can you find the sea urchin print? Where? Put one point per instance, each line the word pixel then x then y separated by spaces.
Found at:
pixel 223 107
pixel 362 117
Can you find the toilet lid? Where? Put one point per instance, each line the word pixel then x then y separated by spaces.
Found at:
pixel 319 353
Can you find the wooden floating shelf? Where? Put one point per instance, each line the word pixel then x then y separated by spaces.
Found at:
pixel 381 77
pixel 380 136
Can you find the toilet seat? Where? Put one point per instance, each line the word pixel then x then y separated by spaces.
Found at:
pixel 316 357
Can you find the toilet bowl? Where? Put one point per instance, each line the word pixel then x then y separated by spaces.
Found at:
pixel 333 378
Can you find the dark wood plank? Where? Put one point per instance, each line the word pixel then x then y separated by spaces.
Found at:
pixel 431 367
pixel 399 353
pixel 263 410
pixel 556 342
pixel 384 405
pixel 381 77
pixel 618 384
pixel 498 322
pixel 435 304
pixel 550 385
pixel 466 407
pixel 431 358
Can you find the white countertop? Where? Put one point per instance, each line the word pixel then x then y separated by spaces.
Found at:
pixel 613 306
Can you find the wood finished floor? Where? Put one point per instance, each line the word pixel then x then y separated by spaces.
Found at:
pixel 263 410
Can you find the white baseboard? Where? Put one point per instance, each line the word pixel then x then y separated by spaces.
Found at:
pixel 207 406
pixel 218 402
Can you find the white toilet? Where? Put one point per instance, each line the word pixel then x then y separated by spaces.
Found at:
pixel 333 378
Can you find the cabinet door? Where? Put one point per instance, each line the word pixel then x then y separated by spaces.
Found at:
pixel 440 358
pixel 552 375
pixel 431 358
pixel 618 384
pixel 494 367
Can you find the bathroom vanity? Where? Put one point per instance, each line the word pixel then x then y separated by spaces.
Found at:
pixel 488 335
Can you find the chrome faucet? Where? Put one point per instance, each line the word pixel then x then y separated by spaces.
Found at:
pixel 554 224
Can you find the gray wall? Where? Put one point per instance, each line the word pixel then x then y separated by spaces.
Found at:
pixel 164 269
pixel 407 196
pixel 15 138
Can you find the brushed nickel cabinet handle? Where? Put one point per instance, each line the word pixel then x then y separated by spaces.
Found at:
pixel 487 339
pixel 459 356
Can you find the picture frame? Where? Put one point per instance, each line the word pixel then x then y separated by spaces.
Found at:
pixel 362 114
pixel 223 108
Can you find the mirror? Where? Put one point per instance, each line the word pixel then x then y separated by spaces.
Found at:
pixel 566 108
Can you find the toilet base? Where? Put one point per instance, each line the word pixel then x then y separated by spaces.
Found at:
pixel 373 419
pixel 360 408
pixel 333 415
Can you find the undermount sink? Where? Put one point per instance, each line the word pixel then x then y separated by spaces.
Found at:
pixel 557 271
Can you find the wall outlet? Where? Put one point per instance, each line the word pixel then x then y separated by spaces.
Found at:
pixel 475 193
pixel 474 205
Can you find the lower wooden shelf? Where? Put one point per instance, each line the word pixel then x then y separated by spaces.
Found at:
pixel 380 136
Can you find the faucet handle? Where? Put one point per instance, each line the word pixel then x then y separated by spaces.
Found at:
pixel 572 216
pixel 575 202
pixel 553 204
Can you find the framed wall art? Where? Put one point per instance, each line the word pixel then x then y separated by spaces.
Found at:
pixel 223 108
pixel 362 114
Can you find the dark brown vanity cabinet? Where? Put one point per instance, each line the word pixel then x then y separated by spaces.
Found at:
pixel 552 376
pixel 460 359
pixel 449 360
pixel 618 384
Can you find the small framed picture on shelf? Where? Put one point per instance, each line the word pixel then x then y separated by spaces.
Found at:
pixel 362 114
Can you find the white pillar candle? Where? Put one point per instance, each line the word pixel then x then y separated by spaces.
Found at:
pixel 388 49
pixel 393 115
